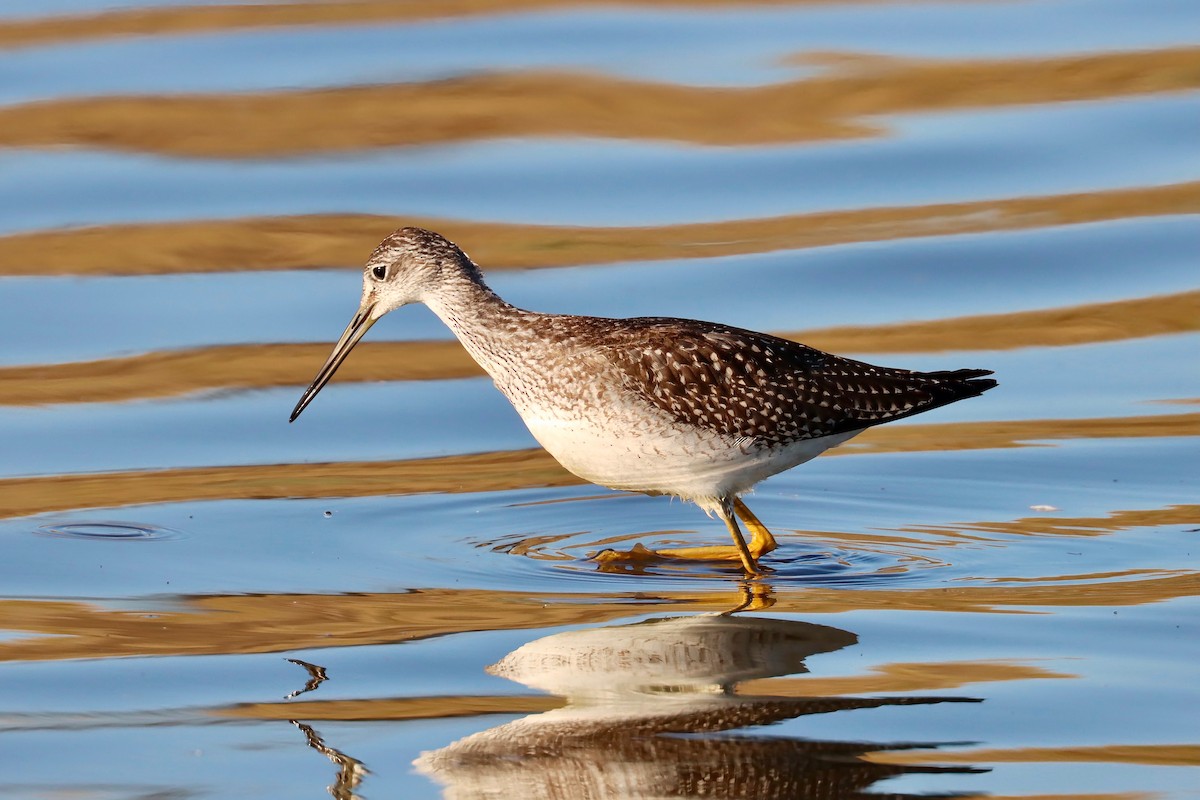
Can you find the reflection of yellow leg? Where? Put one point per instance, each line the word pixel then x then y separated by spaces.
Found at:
pixel 752 596
pixel 761 542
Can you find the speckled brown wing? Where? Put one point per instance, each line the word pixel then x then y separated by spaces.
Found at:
pixel 744 384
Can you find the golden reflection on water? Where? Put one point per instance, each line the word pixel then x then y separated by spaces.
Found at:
pixel 537 104
pixel 321 240
pixel 504 470
pixel 1169 755
pixel 393 709
pixel 173 21
pixel 228 624
pixel 1119 520
pixel 906 677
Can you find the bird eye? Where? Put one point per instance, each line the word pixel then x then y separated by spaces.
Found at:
pixel 380 272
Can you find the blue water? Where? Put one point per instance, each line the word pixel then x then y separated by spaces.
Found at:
pixel 1014 591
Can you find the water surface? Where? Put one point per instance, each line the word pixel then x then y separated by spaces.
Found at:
pixel 393 597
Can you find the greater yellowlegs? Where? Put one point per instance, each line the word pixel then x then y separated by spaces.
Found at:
pixel 657 405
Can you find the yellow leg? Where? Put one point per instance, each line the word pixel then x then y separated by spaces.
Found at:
pixel 761 542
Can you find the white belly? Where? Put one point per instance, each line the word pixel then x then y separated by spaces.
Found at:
pixel 609 436
pixel 664 459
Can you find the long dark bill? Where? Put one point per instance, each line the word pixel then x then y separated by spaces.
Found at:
pixel 358 326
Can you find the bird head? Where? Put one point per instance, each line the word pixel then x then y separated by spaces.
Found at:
pixel 408 266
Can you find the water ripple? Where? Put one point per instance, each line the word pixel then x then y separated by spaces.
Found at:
pixel 861 566
pixel 107 530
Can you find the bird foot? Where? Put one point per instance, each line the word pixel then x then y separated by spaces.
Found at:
pixel 639 556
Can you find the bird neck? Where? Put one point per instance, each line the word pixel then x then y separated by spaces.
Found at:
pixel 478 317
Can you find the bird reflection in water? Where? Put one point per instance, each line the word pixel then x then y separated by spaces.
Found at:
pixel 633 695
pixel 350 770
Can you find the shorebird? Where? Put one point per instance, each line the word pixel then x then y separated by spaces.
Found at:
pixel 658 405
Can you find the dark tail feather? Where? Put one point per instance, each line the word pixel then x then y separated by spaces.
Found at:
pixel 945 387
pixel 964 382
pixel 922 391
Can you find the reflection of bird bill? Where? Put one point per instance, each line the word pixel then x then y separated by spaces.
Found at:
pixel 628 688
